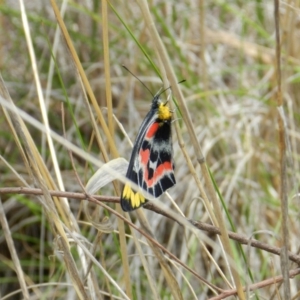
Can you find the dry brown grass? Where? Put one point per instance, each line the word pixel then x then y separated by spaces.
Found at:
pixel 54 246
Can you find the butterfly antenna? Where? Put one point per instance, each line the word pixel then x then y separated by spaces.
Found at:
pixel 138 80
pixel 170 87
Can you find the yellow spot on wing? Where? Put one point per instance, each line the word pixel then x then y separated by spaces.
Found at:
pixel 127 192
pixel 136 199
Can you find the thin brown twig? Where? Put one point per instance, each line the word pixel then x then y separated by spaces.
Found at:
pixel 240 238
pixel 258 285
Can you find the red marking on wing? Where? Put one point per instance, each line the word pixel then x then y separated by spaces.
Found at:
pixel 158 173
pixel 152 130
pixel 145 154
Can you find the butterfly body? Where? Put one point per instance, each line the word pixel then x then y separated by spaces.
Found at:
pixel 151 165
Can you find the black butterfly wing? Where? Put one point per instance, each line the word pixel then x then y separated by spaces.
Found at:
pixel 131 199
pixel 151 164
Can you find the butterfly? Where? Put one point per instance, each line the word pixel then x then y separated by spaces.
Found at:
pixel 151 165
